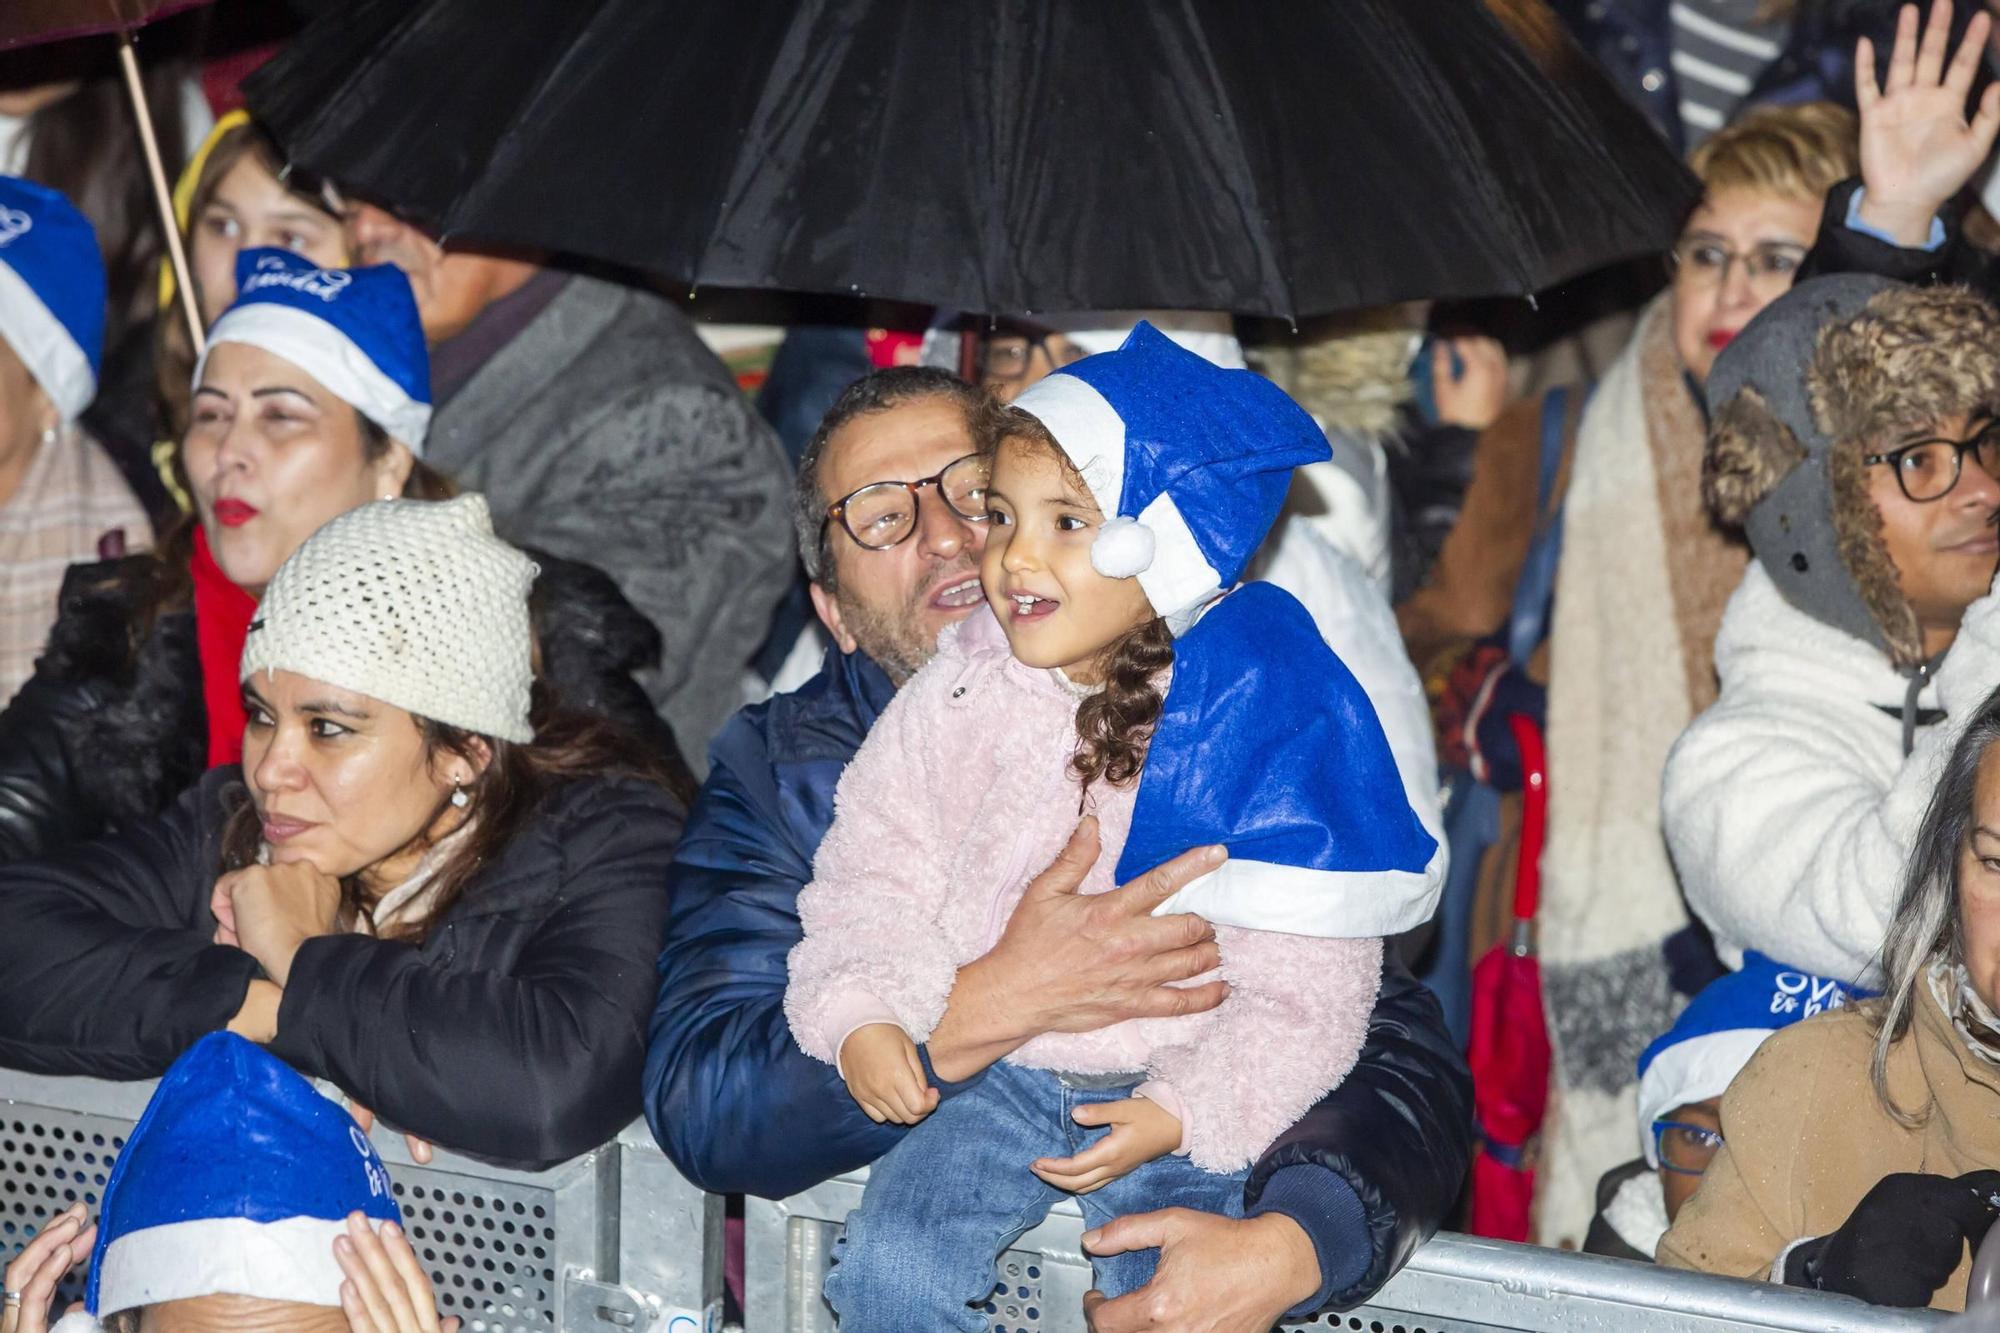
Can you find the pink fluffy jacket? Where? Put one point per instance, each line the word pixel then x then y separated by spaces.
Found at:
pixel 961 794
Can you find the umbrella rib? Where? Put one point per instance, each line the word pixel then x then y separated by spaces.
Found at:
pixel 1267 245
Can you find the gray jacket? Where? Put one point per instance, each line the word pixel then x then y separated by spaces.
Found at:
pixel 607 432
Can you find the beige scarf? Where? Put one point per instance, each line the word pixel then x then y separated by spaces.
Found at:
pixel 1640 592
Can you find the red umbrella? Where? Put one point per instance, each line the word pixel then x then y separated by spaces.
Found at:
pixel 1509 1044
pixel 27 22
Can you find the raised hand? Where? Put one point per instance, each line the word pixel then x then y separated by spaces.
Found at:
pixel 32 1277
pixel 1917 148
pixel 386 1290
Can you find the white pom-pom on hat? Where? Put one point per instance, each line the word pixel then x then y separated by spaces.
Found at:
pixel 1123 549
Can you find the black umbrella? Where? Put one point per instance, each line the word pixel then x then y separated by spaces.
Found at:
pixel 1289 158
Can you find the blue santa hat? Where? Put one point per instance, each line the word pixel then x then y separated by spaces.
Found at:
pixel 1266 744
pixel 1189 461
pixel 51 292
pixel 355 330
pixel 1721 1029
pixel 236 1181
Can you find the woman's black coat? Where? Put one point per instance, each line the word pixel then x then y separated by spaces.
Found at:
pixel 111 727
pixel 516 1032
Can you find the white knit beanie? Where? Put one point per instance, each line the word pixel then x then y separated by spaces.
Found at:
pixel 413 602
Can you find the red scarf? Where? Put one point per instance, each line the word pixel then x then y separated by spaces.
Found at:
pixel 222 613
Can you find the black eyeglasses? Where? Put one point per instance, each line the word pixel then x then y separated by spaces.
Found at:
pixel 883 513
pixel 1927 470
pixel 1009 356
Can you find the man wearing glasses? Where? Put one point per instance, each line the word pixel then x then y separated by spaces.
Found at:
pixel 890 518
pixel 1853 437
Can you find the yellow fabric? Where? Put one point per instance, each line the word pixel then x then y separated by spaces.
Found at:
pixel 1804 1138
pixel 184 195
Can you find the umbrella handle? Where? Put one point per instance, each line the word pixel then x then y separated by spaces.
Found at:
pixel 1534 815
pixel 163 197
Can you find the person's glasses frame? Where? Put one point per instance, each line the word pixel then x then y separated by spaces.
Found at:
pixel 1706 1143
pixel 963 467
pixel 1030 343
pixel 1768 263
pixel 1985 442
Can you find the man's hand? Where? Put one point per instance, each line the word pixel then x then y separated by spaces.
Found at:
pixel 885 1076
pixel 1917 150
pixel 1074 962
pixel 1216 1274
pixel 269 911
pixel 1140 1131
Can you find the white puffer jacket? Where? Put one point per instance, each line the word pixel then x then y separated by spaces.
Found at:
pixel 1789 805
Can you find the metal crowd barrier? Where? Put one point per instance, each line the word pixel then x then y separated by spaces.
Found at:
pixel 616 1241
pixel 1455 1284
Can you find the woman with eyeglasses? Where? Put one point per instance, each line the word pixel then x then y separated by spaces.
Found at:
pixel 1682 1077
pixel 1859 1149
pixel 1585 581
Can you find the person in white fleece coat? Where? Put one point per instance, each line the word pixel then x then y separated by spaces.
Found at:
pixel 1853 434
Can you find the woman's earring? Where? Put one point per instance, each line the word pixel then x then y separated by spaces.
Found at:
pixel 459 799
pixel 49 436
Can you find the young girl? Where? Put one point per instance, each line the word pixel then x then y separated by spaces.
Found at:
pixel 1075 697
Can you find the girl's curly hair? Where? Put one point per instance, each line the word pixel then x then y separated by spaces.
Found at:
pixel 1115 724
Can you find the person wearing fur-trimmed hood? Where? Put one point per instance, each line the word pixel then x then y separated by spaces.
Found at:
pixel 1854 437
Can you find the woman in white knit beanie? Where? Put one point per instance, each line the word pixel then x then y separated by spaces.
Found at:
pixel 442 892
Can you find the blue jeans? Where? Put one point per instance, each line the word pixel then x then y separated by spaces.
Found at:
pixel 944 1203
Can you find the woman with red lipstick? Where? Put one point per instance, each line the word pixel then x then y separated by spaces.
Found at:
pixel 313 399
pixel 427 881
pixel 1609 481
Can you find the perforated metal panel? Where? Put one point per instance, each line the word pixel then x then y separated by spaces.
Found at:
pixel 49 1160
pixel 496 1243
pixel 490 1248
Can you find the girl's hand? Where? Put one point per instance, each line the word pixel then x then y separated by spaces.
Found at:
pixel 885 1076
pixel 1140 1131
pixel 386 1290
pixel 274 909
pixel 64 1243
pixel 1917 149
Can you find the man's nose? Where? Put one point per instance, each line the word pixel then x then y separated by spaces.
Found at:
pixel 941 530
pixel 1976 487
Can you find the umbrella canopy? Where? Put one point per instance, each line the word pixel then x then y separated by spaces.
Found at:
pixel 24 21
pixel 1291 159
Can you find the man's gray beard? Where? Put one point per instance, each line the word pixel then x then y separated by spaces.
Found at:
pixel 893 639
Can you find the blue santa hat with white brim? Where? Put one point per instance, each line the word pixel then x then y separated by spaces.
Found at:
pixel 51 292
pixel 235 1182
pixel 355 330
pixel 1720 1030
pixel 1266 744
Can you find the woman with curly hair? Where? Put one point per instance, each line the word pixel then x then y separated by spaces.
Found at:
pixel 1121 675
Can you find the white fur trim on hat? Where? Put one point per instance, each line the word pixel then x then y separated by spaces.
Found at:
pixel 45 346
pixel 1088 429
pixel 287 1260
pixel 1180 581
pixel 412 602
pixel 1122 549
pixel 1692 1071
pixel 332 358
